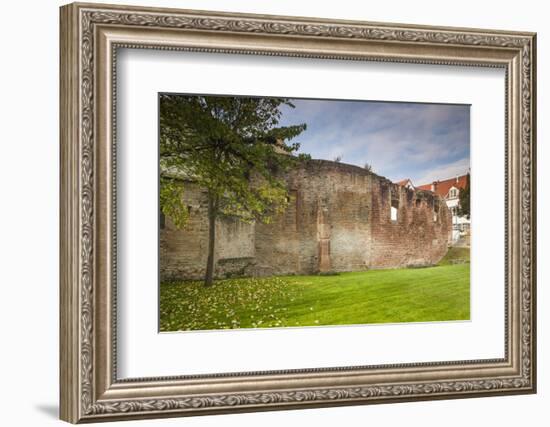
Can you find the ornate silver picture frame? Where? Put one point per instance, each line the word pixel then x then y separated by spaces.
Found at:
pixel 91 390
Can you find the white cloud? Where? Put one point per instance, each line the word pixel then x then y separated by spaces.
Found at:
pixel 442 172
pixel 398 139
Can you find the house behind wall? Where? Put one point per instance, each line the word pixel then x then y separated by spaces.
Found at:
pixel 339 218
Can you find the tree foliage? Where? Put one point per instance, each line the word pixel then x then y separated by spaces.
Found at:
pixel 171 201
pixel 233 148
pixel 464 199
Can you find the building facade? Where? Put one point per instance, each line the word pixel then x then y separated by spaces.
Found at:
pixel 449 190
pixel 339 218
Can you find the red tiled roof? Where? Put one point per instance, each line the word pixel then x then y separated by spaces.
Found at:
pixel 443 187
pixel 403 182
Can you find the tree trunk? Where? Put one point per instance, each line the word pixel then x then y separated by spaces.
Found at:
pixel 212 213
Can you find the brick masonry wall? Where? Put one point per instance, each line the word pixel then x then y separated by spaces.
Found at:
pixel 183 252
pixel 338 219
pixel 418 237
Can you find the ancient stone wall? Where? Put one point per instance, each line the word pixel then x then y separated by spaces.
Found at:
pixel 338 219
pixel 419 236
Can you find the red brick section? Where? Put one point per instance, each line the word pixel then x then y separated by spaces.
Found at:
pixel 441 188
pixel 338 220
pixel 421 233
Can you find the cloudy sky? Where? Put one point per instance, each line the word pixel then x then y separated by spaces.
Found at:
pixel 423 142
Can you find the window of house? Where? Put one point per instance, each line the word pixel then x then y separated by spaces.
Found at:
pixel 453 193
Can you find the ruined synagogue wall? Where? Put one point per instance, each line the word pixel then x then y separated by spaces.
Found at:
pixel 183 252
pixel 421 233
pixel 329 202
pixel 338 219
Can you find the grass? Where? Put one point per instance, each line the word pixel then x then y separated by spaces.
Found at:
pixel 456 256
pixel 377 296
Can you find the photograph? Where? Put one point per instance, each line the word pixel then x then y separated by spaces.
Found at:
pixel 264 211
pixel 279 212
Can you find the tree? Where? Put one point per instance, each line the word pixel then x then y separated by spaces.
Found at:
pixel 464 199
pixel 233 148
pixel 171 201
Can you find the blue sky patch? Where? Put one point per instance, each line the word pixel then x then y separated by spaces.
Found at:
pixel 423 142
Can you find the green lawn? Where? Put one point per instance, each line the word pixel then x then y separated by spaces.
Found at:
pixel 456 256
pixel 376 296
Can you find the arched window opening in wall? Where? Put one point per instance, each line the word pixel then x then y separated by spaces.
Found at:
pixel 394 209
pixel 393 214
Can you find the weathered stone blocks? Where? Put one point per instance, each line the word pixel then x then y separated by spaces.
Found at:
pixel 338 219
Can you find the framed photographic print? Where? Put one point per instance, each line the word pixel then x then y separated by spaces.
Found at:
pixel 266 212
